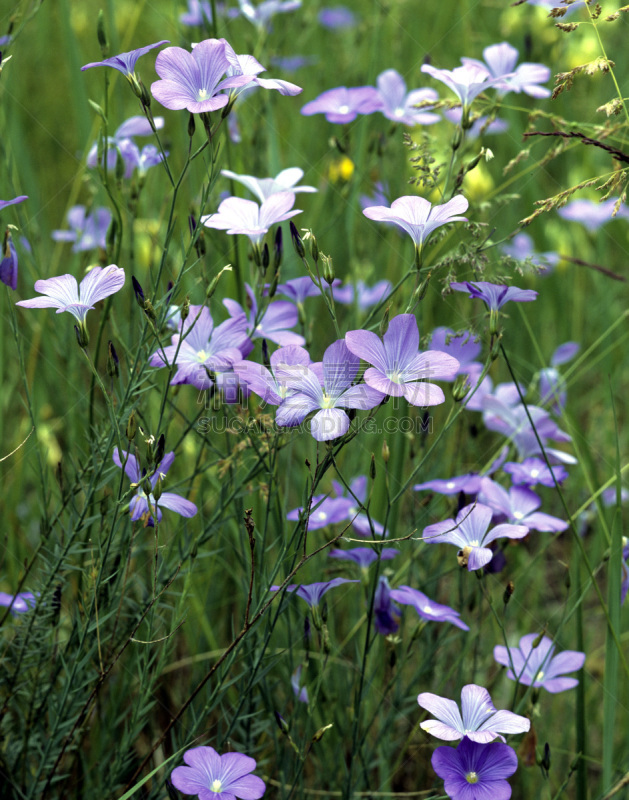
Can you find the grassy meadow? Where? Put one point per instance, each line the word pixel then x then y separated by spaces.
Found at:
pixel 138 642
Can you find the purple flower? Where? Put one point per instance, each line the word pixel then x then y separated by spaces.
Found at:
pixel 125 62
pixel 462 346
pixel 494 295
pixel 479 125
pixel 399 106
pixel 15 201
pixel 593 215
pixel 324 511
pixel 426 608
pixel 312 593
pixel 479 720
pixel 200 12
pixel 467 82
pixel 292 63
pixel 142 506
pixel 386 615
pixel 470 533
pixel 343 105
pixel 470 484
pixel 9 264
pixel 362 524
pixel 273 324
pixel 533 471
pixel 366 296
pixel 193 80
pixel 122 143
pixel 364 556
pixel 237 215
pixel 300 288
pixel 537 666
pixel 327 389
pixel 215 777
pixel 263 188
pixel 301 693
pixel 522 247
pixel 500 61
pixel 476 771
pixel 261 14
pixel 64 294
pixel 88 230
pixel 200 347
pixel 19 603
pixel 336 17
pixel 519 505
pixel 417 216
pixel 262 381
pixel 398 368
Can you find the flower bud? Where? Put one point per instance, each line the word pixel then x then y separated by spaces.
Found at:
pixel 297 242
pixel 185 309
pixel 372 467
pixel 101 34
pixel 386 453
pixel 132 427
pixel 157 489
pixel 139 293
pixel 82 336
pixel 319 734
pixel 159 451
pixel 314 248
pixel 509 590
pixel 214 282
pixel 328 269
pixel 266 258
pixel 461 388
pixel 191 126
pixel 112 361
pixel 278 249
pixel 281 723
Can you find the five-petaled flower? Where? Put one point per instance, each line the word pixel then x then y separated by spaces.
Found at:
pixel 478 718
pixel 193 80
pixel 469 532
pixel 326 388
pixel 537 666
pixel 418 217
pixel 64 294
pixel 215 777
pixel 476 771
pixel 143 505
pixel 398 368
pixel 237 215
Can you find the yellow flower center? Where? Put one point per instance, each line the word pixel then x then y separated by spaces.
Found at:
pixel 472 777
pixel 216 786
pixel 327 401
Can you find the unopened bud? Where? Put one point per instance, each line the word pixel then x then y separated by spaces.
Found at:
pixel 160 449
pixel 139 293
pixel 319 734
pixel 509 590
pixel 185 309
pixel 112 361
pixel 328 269
pixel 149 310
pixel 297 242
pixel 281 723
pixel 545 762
pixel 538 639
pixel 266 258
pixel 101 34
pixel 157 489
pixel 274 283
pixel 278 248
pixel 386 453
pixel 214 282
pixel 191 126
pixel 461 388
pixel 372 467
pixel 314 249
pixel 120 167
pixel 132 427
pixel 82 336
